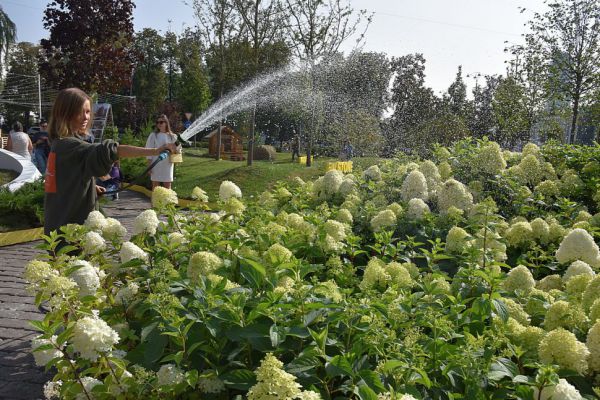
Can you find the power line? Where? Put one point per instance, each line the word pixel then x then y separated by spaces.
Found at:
pixel 446 23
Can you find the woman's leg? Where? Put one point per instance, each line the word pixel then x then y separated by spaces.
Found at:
pixel 155 184
pixel 167 185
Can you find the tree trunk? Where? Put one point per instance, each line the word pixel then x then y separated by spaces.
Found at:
pixel 251 138
pixel 573 131
pixel 218 155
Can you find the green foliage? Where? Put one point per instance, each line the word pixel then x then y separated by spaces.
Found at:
pixel 273 293
pixel 23 208
pixel 89 45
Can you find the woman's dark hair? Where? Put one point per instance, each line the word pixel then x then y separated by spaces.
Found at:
pixel 18 127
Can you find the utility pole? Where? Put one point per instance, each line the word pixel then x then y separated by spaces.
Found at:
pixel 39 79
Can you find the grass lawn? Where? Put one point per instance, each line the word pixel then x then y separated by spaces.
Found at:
pixel 199 170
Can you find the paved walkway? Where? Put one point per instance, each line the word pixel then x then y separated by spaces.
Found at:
pixel 20 378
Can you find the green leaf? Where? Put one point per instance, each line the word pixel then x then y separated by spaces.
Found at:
pixel 500 309
pixel 253 272
pixel 366 393
pixel 339 366
pixel 372 379
pixel 502 368
pixel 277 335
pixel 39 325
pixel 241 379
pixel 147 330
pixel 320 338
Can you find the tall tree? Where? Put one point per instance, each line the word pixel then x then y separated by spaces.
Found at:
pixel 150 84
pixel 220 27
pixel 413 103
pixel 510 110
pixel 20 92
pixel 193 91
pixel 481 120
pixel 89 45
pixel 318 28
pixel 261 25
pixel 457 96
pixel 529 68
pixel 8 34
pixel 567 37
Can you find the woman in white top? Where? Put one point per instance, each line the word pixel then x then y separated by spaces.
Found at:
pixel 162 173
pixel 19 142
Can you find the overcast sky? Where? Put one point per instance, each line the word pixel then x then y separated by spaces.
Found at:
pixel 449 33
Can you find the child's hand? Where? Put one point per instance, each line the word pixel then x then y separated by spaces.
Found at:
pixel 100 190
pixel 169 146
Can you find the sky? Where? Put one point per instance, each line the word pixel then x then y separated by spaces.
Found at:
pixel 449 33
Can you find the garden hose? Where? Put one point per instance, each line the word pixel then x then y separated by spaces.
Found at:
pixel 163 155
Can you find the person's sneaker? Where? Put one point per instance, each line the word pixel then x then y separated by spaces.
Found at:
pixel 115 196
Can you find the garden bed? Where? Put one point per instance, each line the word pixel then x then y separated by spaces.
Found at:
pixel 471 275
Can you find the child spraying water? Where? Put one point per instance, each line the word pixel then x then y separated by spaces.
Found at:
pixel 71 191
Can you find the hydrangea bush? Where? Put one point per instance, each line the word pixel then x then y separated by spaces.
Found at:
pixel 470 275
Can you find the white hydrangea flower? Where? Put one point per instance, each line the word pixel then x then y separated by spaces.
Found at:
pixel 344 216
pixel 372 173
pixel 273 382
pixel 489 159
pixel 330 244
pixel 88 383
pixel 562 347
pixel 203 263
pixel 95 221
pixel 431 173
pixel 375 275
pixel 278 253
pixel 578 268
pixel 43 357
pixel 396 209
pixel 519 278
pixel 579 245
pixel 199 194
pixel 562 391
pixel 457 240
pixel 146 222
pixel 113 230
pixel 208 382
pixel 417 209
pixel 93 243
pixel 126 293
pixel 519 234
pixel 52 389
pixel 177 238
pixel 308 395
pixel 335 229
pixel 169 374
pixel 593 345
pixel 38 272
pixel 454 193
pixel 550 282
pixel 229 189
pixel 348 185
pixel 414 187
pixel 130 251
pixel 162 197
pixel 540 230
pixel 383 219
pixel 332 181
pixel 234 207
pixel 87 277
pixel 91 336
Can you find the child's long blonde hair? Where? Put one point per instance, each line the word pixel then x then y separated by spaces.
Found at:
pixel 67 106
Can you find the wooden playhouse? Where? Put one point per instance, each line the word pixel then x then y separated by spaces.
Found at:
pixel 231 144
